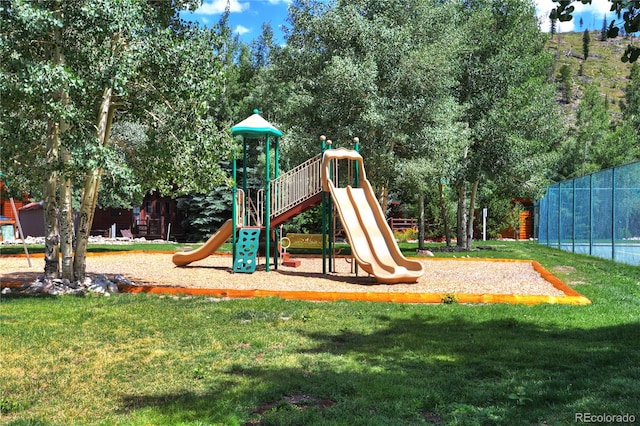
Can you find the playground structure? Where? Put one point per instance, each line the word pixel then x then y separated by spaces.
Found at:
pixel 318 180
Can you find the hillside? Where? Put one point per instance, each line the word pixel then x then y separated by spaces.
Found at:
pixel 603 67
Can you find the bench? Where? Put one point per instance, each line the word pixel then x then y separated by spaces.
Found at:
pixel 303 241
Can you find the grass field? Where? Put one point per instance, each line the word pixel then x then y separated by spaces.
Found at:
pixel 149 360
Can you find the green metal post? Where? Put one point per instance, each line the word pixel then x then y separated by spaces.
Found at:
pixel 244 182
pixel 267 203
pixel 590 214
pixel 323 139
pixel 356 184
pixel 276 195
pixel 356 147
pixel 573 216
pixel 234 209
pixel 330 214
pixel 613 213
pixel 559 236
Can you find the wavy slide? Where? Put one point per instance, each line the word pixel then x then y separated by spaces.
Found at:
pixel 208 248
pixel 372 242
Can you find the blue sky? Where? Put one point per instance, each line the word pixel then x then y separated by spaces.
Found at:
pixel 592 16
pixel 247 16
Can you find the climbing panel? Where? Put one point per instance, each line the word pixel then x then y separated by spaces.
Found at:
pixel 246 250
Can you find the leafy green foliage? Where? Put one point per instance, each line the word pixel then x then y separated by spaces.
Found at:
pixel 566 83
pixel 309 222
pixel 631 105
pixel 358 69
pixel 140 65
pixel 204 214
pixel 165 77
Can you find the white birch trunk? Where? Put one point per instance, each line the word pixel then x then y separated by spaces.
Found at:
pixel 66 226
pixel 90 191
pixel 52 232
pixel 445 216
pixel 66 208
pixel 52 161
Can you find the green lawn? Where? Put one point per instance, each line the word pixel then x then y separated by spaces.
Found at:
pixel 149 360
pixel 39 248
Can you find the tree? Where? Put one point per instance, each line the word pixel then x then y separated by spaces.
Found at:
pixel 366 69
pixel 566 83
pixel 504 64
pixel 628 11
pixel 605 29
pixel 70 70
pixel 597 142
pixel 620 144
pixel 592 126
pixel 631 105
pixel 434 160
pixel 586 40
pixel 419 94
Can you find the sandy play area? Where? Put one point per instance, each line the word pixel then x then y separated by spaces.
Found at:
pixel 520 279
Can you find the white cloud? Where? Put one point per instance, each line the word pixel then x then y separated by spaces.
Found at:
pixel 241 30
pixel 216 7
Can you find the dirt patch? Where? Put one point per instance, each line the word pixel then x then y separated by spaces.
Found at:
pixel 299 402
pixel 564 269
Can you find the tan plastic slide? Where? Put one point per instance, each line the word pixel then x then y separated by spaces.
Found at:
pixel 212 244
pixel 372 242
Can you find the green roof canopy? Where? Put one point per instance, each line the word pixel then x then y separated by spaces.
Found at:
pixel 255 126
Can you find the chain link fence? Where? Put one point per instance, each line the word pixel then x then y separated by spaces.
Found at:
pixel 596 214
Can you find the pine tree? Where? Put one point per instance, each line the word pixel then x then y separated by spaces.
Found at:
pixel 631 106
pixel 586 39
pixel 592 128
pixel 566 83
pixel 603 33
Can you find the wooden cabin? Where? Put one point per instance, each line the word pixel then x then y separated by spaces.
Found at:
pixel 157 218
pixel 525 228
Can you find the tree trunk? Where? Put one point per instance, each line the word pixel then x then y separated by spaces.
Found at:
pixel 421 222
pixel 66 226
pixel 52 232
pixel 471 216
pixel 52 162
pixel 66 208
pixel 90 191
pixel 445 216
pixel 384 199
pixel 461 231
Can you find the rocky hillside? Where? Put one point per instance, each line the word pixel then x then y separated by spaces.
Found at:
pixel 602 67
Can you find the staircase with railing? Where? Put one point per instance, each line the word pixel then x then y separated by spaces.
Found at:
pixel 291 193
pixel 296 186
